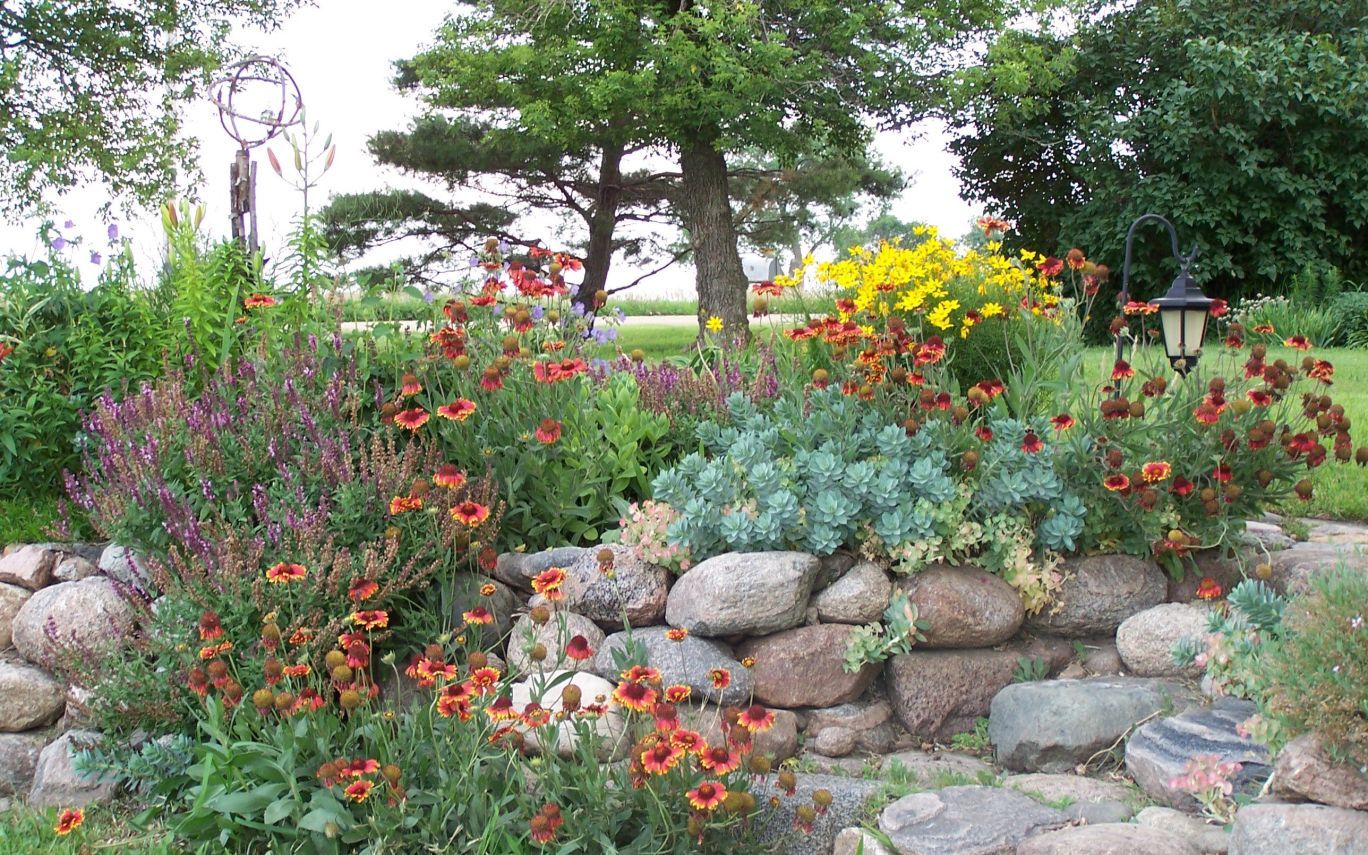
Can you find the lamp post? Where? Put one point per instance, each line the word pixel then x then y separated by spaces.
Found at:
pixel 1183 311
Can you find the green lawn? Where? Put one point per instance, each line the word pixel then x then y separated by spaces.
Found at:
pixel 107 828
pixel 26 519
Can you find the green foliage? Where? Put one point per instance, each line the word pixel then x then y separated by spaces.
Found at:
pixel 898 633
pixel 1315 678
pixel 31 518
pixel 107 827
pixel 1244 125
pixel 1030 669
pixel 69 346
pixel 97 87
pixel 975 741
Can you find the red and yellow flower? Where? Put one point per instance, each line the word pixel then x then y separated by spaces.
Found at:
pixel 637 697
pixel 284 573
pixel 756 718
pixel 548 583
pixel 661 758
pixel 360 589
pixel 69 821
pixel 707 796
pixel 1062 422
pixel 578 649
pixel 478 616
pixel 458 410
pixel 1208 589
pixel 721 678
pixel 412 418
pixel 359 791
pixel 1116 482
pixel 259 301
pixel 404 504
pixel 548 431
pixel 371 619
pixel 449 476
pixel 470 513
pixel 1156 471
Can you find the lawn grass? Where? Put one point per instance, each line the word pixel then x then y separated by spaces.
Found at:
pixel 657 341
pixel 107 828
pixel 1340 490
pixel 404 307
pixel 27 519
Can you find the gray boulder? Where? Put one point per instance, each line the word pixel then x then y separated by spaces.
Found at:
pixel 28 567
pixel 1146 640
pixel 1206 837
pixel 687 662
pixel 1160 751
pixel 969 820
pixel 633 589
pixel 88 614
pixel 12 597
pixel 850 799
pixel 518 569
pixel 1054 725
pixel 1283 829
pixel 56 783
pixel 1111 838
pixel 18 759
pixel 1090 799
pixel 1099 592
pixel 860 596
pixel 29 698
pixel 465 595
pixel 123 566
pixel 965 606
pixel 743 593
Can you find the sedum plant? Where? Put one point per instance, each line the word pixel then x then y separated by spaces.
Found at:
pixel 898 633
pixel 831 472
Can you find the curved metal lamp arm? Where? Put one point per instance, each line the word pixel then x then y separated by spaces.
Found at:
pixel 1184 260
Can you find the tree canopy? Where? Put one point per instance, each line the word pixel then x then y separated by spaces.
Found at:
pixel 91 88
pixel 702 79
pixel 1245 124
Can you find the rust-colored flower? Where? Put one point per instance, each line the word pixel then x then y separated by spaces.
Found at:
pixel 1266 329
pixel 707 796
pixel 756 718
pixel 449 476
pixel 983 433
pixel 210 628
pixel 1122 370
pixel 1156 471
pixel 501 709
pixel 1076 259
pixel 259 301
pixel 578 648
pixel 548 431
pixel 1116 482
pixel 1297 342
pixel 470 513
pixel 1259 398
pixel 1206 414
pixel 404 504
pixel 410 386
pixel 642 674
pixel 488 589
pixel 484 679
pixel 929 352
pixel 1050 267
pixel 458 410
pixel 300 670
pixel 677 694
pixel 478 616
pixel 548 583
pixel 637 697
pixel 360 589
pixel 721 678
pixel 371 619
pixel 1219 308
pixel 1062 422
pixel 284 573
pixel 69 821
pixel 358 768
pixel 1222 473
pixel 1031 444
pixel 677 633
pixel 411 419
pixel 1208 589
pixel 359 791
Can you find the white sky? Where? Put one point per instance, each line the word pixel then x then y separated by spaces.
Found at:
pixel 340 53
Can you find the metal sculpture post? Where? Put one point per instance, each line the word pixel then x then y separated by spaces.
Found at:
pixel 257 98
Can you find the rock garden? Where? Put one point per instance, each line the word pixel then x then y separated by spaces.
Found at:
pixel 888 582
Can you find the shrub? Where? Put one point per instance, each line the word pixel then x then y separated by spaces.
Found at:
pixel 60 348
pixel 1315 678
pixel 506 387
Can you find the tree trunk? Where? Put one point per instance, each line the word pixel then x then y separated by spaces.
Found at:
pixel 602 221
pixel 720 279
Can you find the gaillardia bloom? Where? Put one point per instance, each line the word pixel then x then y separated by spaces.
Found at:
pixel 1156 471
pixel 548 583
pixel 371 619
pixel 676 633
pixel 259 301
pixel 1031 444
pixel 661 758
pixel 358 791
pixel 411 419
pixel 458 410
pixel 636 697
pixel 69 821
pixel 449 476
pixel 478 616
pixel 282 573
pixel 721 678
pixel 579 649
pixel 1063 421
pixel 469 513
pixel 1298 342
pixel 1116 483
pixel 756 718
pixel 707 795
pixel 362 589
pixel 404 504
pixel 1208 589
pixel 548 431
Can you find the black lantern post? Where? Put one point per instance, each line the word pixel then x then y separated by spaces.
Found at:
pixel 1183 311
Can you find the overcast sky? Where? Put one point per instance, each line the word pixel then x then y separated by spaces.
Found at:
pixel 340 53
